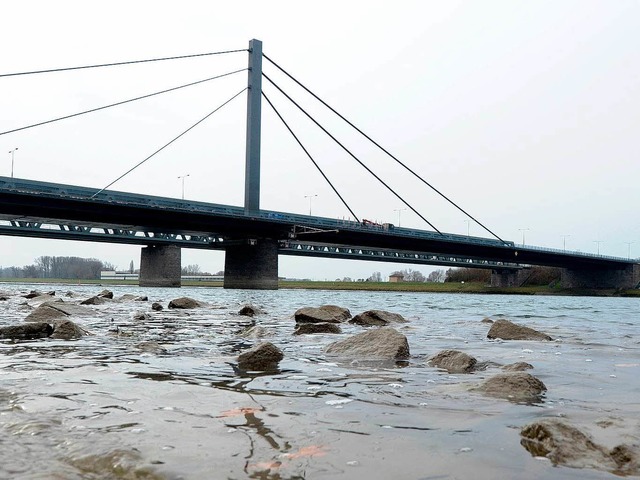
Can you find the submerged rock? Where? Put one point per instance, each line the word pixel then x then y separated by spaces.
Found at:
pixel 486 320
pixel 249 311
pixel 156 307
pixel 323 314
pixel 379 318
pixel 566 445
pixel 184 303
pixel 516 386
pixel 383 343
pixel 454 361
pixel 307 328
pixel 32 294
pixel 27 332
pixel 263 356
pixel 140 316
pixel 67 330
pixel 254 331
pixel 517 367
pixel 40 299
pixel 506 330
pixel 93 301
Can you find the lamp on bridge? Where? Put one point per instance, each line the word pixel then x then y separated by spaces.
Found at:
pixel 12 152
pixel 598 242
pixel 399 210
pixel 310 197
pixel 183 177
pixel 564 242
pixel 523 230
pixel 629 249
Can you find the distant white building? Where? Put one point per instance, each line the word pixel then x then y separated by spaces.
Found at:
pixel 113 275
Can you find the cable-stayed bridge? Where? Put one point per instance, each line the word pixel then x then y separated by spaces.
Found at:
pixel 253 238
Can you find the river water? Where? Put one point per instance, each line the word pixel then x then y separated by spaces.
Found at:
pixel 160 398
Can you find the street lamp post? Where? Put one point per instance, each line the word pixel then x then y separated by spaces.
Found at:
pixel 12 152
pixel 564 242
pixel 523 230
pixel 598 242
pixel 182 177
pixel 629 249
pixel 399 210
pixel 310 197
pixel 468 222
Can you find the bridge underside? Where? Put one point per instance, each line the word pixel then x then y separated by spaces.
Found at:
pixel 626 277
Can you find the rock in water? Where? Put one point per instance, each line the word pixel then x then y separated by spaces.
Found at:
pixel 254 331
pixel 156 307
pixel 249 311
pixel 96 300
pixel 27 332
pixel 378 318
pixel 67 330
pixel 263 356
pixel 106 294
pixel 184 303
pixel 516 386
pixel 517 367
pixel 506 330
pixel 45 313
pixel 565 445
pixel 306 328
pixel 380 344
pixel 319 315
pixel 454 361
pixel 341 313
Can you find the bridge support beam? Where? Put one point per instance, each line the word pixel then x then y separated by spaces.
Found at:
pixel 160 266
pixel 624 278
pixel 253 265
pixel 509 277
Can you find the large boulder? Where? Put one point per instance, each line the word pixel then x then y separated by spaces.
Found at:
pixel 323 314
pixel 506 330
pixel 515 386
pixel 377 318
pixel 263 356
pixel 27 331
pixel 106 294
pixel 184 303
pixel 67 330
pixel 306 328
pixel 379 344
pixel 45 313
pixel 453 361
pixel 566 445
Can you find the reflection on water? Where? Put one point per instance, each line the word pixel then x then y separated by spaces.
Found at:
pixel 163 398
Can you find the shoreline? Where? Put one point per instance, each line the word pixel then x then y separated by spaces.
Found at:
pixel 449 287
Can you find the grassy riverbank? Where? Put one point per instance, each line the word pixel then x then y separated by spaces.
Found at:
pixel 450 287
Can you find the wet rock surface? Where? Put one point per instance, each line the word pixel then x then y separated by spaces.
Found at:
pixel 263 356
pixel 27 331
pixel 106 294
pixel 506 330
pixel 567 445
pixel 95 300
pixel 67 330
pixel 454 361
pixel 517 367
pixel 184 303
pixel 309 328
pixel 516 386
pixel 157 307
pixel 249 311
pixel 382 343
pixel 377 318
pixel 322 314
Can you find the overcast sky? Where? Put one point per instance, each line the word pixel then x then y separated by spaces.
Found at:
pixel 525 113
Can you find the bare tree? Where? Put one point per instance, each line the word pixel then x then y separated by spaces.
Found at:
pixel 437 276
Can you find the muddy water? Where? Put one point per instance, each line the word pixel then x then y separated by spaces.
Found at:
pixel 161 398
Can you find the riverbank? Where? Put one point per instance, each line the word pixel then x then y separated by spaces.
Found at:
pixel 449 287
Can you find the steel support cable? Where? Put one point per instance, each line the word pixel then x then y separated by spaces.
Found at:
pixel 351 154
pixel 131 62
pixel 310 157
pixel 381 147
pixel 121 103
pixel 169 143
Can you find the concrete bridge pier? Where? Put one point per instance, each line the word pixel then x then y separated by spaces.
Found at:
pixel 508 277
pixel 160 266
pixel 593 277
pixel 252 265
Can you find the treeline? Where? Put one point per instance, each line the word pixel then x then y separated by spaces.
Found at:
pixel 537 275
pixel 59 267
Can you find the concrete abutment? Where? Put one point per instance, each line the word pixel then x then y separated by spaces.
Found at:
pixel 625 277
pixel 508 277
pixel 160 266
pixel 252 265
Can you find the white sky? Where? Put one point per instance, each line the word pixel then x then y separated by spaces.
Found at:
pixel 524 113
